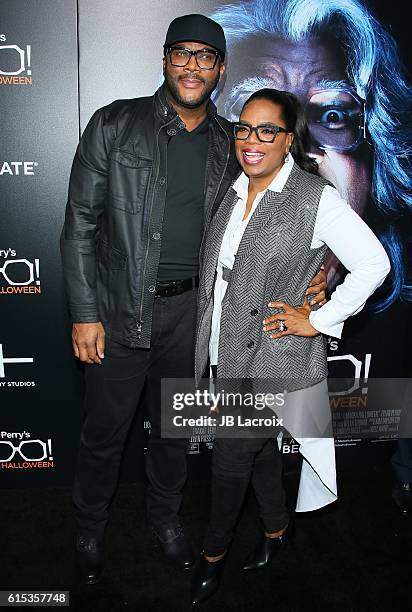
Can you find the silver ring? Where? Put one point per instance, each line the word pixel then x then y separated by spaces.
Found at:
pixel 282 326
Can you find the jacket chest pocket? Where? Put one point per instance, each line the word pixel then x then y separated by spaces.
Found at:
pixel 128 180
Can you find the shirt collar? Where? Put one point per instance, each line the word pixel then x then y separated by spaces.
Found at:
pixel 241 184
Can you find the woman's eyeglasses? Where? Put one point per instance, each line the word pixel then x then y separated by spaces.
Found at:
pixel 266 132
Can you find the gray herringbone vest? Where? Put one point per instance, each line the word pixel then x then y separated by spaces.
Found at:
pixel 274 262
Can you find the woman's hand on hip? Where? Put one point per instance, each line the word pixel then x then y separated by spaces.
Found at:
pixel 316 292
pixel 290 322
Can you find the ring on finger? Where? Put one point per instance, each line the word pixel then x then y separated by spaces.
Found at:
pixel 282 326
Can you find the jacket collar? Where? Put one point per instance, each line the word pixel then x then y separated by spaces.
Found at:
pixel 162 105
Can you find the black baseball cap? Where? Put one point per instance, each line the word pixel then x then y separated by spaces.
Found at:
pixel 196 28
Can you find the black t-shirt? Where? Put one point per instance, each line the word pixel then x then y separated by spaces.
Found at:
pixel 183 216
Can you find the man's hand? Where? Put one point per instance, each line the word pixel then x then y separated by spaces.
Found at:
pixel 290 322
pixel 88 342
pixel 317 288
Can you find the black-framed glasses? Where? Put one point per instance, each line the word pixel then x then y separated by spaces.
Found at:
pixel 205 58
pixel 266 132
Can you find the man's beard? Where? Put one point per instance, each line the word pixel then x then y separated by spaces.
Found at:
pixel 193 103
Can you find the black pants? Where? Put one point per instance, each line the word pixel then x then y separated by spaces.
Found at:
pixel 236 462
pixel 113 391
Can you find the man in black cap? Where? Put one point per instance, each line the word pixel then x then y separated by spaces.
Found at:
pixel 146 179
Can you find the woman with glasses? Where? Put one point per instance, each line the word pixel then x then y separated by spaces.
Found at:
pixel 268 237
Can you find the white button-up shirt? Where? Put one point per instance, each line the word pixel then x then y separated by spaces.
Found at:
pixel 340 228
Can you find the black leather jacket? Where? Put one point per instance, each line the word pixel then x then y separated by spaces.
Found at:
pixel 111 238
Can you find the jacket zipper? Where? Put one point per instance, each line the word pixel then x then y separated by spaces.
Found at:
pixel 227 157
pixel 140 322
pixel 218 186
pixel 205 230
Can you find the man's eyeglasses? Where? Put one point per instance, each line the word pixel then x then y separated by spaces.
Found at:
pixel 205 58
pixel 266 132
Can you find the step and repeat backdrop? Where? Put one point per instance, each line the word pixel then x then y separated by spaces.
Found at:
pixel 62 59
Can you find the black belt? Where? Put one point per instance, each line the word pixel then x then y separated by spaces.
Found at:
pixel 169 288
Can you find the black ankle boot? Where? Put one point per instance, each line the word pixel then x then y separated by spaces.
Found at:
pixel 176 546
pixel 268 548
pixel 89 559
pixel 206 579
